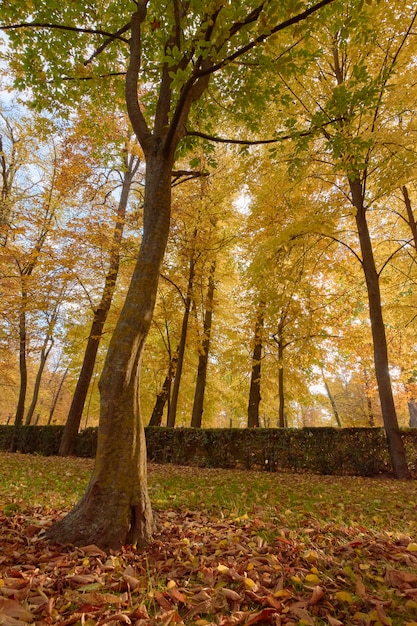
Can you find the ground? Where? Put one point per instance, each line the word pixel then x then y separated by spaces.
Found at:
pixel 232 548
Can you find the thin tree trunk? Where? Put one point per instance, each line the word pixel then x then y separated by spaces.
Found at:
pixel 332 402
pixel 172 412
pixel 369 408
pixel 163 395
pixel 198 405
pixel 412 409
pixel 115 509
pixel 395 443
pixel 23 372
pixel 69 435
pixel 411 221
pixel 56 397
pixel 46 349
pixel 255 379
pixel 279 340
pixel 20 411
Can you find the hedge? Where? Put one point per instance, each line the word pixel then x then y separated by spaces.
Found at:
pixel 347 451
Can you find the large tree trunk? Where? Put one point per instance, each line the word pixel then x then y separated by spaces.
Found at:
pixel 255 379
pixel 172 411
pixel 198 405
pixel 72 425
pixel 395 443
pixel 116 509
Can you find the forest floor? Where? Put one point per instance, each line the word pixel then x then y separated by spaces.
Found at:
pixel 234 547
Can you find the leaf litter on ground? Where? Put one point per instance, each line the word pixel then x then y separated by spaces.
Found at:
pixel 232 548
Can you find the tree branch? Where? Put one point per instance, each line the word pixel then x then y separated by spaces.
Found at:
pixel 255 142
pixel 76 29
pixel 136 116
pixel 104 45
pixel 249 46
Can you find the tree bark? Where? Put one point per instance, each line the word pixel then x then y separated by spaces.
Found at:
pixel 198 405
pixel 412 409
pixel 332 403
pixel 279 340
pixel 72 425
pixel 394 440
pixel 23 371
pixel 46 348
pixel 56 396
pixel 163 395
pixel 411 221
pixel 255 379
pixel 172 412
pixel 115 509
pixel 22 363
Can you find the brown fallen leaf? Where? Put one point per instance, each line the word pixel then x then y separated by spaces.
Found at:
pixel 265 616
pixel 14 610
pixel 400 579
pixel 317 595
pixel 133 583
pixel 93 550
pixel 231 595
pixel 97 598
pixel 162 600
pixel 118 618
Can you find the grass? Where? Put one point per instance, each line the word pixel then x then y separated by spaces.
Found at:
pixel 289 499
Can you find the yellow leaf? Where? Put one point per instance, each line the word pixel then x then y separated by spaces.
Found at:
pixel 359 616
pixel 249 583
pixel 296 579
pixel 282 593
pixel 412 547
pixel 171 584
pixel 344 596
pixel 222 568
pixel 312 579
pixel 411 604
pixel 241 518
pixel 311 556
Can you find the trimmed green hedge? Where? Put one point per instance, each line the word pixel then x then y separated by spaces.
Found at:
pixel 347 451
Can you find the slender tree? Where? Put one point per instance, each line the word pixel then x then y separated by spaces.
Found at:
pixel 131 165
pixel 203 357
pixel 255 379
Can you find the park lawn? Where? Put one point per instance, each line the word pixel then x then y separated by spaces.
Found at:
pixel 233 547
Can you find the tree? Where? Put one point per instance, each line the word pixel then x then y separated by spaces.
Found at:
pixel 255 380
pixel 349 105
pixel 194 42
pixel 203 356
pixel 131 162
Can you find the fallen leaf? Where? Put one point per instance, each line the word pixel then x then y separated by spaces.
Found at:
pixel 14 610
